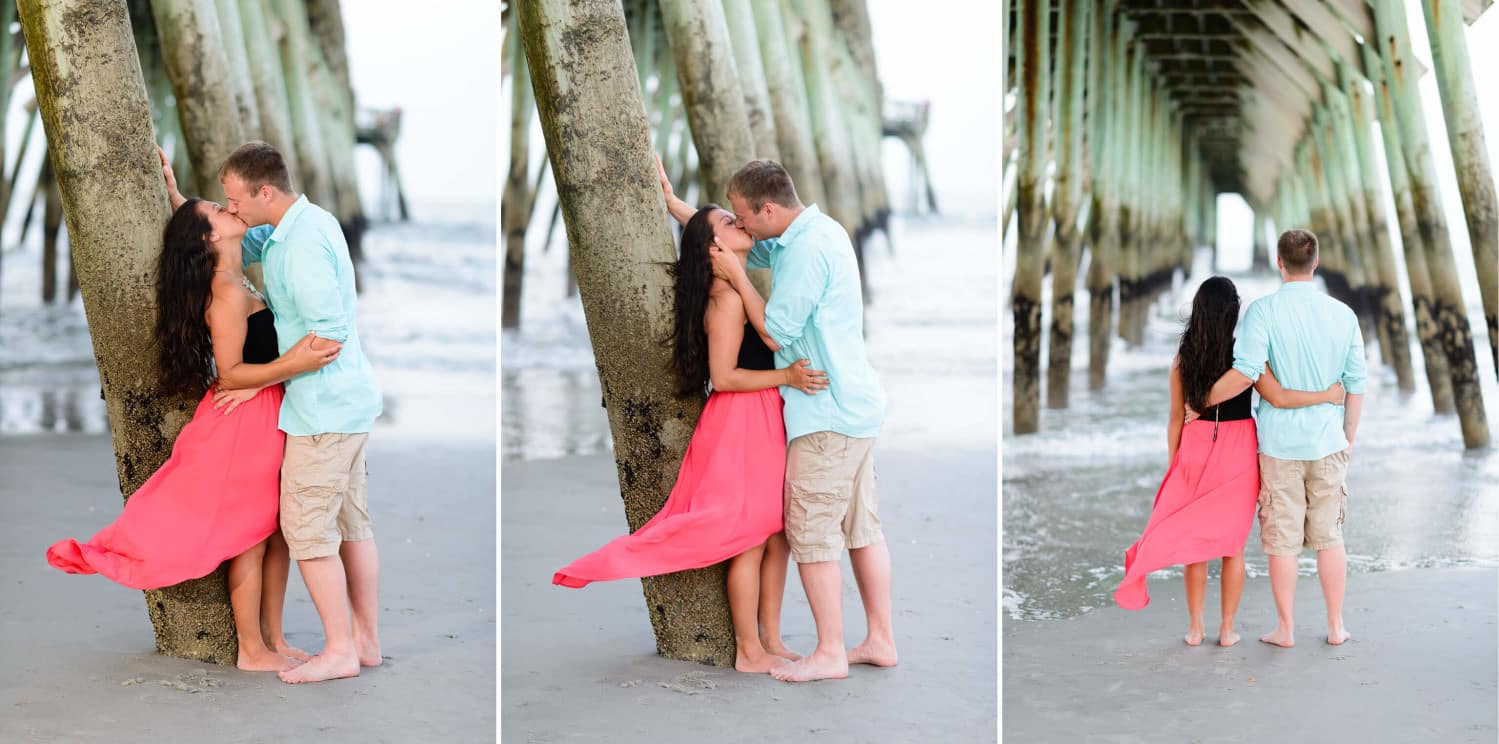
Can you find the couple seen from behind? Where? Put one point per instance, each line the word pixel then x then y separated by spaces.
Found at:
pixel 782 460
pixel 1290 459
pixel 271 468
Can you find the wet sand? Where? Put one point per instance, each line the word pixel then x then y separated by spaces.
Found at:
pixel 1421 667
pixel 79 661
pixel 580 664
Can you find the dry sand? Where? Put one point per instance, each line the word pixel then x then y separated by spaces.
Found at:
pixel 77 660
pixel 580 664
pixel 1421 668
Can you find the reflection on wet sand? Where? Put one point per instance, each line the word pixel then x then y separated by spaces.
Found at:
pixel 551 413
pixel 64 410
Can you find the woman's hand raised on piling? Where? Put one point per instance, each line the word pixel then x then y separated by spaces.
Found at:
pixel 679 210
pixel 661 174
pixel 173 195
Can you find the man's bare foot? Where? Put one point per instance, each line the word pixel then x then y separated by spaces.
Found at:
pixel 288 650
pixel 778 647
pixel 757 665
pixel 1279 637
pixel 324 666
pixel 1194 636
pixel 878 653
pixel 1338 636
pixel 1227 637
pixel 814 667
pixel 264 660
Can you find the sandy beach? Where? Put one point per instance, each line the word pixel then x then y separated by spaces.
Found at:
pixel 79 660
pixel 580 664
pixel 1420 667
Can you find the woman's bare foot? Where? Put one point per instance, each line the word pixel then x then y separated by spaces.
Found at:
pixel 1279 637
pixel 878 653
pixel 1338 636
pixel 819 665
pixel 1226 636
pixel 264 660
pixel 778 647
pixel 369 653
pixel 1195 634
pixel 324 666
pixel 757 664
pixel 286 649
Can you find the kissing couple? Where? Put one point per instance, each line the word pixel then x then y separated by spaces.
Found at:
pixel 782 460
pixel 271 468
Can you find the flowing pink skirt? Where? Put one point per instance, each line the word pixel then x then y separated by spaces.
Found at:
pixel 727 498
pixel 214 498
pixel 1204 508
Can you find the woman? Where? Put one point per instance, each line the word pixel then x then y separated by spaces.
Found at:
pixel 1205 505
pixel 216 497
pixel 726 503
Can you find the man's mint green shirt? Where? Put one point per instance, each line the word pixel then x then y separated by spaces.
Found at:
pixel 309 285
pixel 1311 341
pixel 816 312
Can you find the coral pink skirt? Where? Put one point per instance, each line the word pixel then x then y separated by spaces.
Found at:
pixel 214 498
pixel 727 498
pixel 1204 508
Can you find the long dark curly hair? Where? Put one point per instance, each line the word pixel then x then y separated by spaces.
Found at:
pixel 184 282
pixel 694 277
pixel 1207 345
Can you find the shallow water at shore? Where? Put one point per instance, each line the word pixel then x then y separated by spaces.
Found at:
pixel 1079 492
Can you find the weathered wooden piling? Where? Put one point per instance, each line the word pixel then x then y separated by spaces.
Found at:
pixel 515 208
pixel 1423 301
pixel 1104 154
pixel 1451 317
pixel 1072 70
pixel 740 18
pixel 99 133
pixel 788 102
pixel 1394 336
pixel 711 91
pixel 1033 70
pixel 621 248
pixel 1470 155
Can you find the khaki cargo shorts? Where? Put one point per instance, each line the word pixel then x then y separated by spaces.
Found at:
pixel 830 496
pixel 323 498
pixel 1302 503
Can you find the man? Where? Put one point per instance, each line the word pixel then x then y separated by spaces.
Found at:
pixel 1311 341
pixel 327 414
pixel 816 312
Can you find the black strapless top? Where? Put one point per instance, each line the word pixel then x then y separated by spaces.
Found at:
pixel 1233 409
pixel 260 338
pixel 753 353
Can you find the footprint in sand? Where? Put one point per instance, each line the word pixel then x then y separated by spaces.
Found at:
pixel 691 683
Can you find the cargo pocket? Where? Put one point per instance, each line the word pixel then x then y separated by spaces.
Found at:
pixel 814 516
pixel 1342 504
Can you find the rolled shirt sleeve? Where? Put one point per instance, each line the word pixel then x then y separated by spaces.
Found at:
pixel 804 278
pixel 316 290
pixel 252 246
pixel 1252 344
pixel 1354 373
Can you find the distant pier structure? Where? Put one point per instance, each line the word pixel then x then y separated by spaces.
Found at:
pixel 907 122
pixel 380 128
